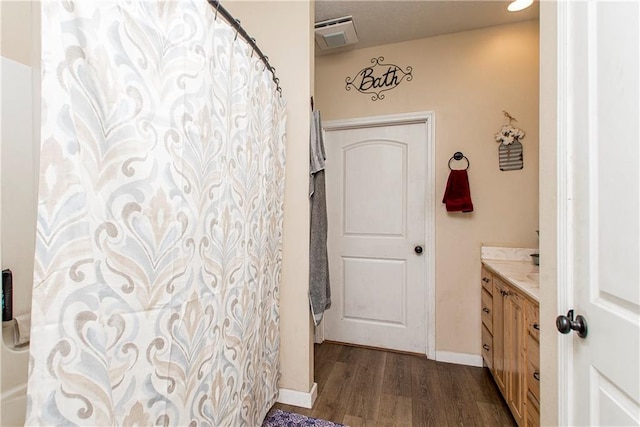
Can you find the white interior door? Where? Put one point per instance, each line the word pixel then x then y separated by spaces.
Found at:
pixel 599 77
pixel 376 179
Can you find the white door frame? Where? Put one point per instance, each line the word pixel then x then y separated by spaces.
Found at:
pixel 555 240
pixel 565 217
pixel 427 119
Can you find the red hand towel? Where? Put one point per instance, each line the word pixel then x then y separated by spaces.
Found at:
pixel 457 195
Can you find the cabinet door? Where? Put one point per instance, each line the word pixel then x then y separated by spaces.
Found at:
pixel 487 279
pixel 499 373
pixel 487 310
pixel 487 347
pixel 514 350
pixel 533 412
pixel 533 367
pixel 533 322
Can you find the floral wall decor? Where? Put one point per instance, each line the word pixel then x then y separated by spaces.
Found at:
pixel 510 149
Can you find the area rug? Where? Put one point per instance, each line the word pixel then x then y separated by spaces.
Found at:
pixel 280 418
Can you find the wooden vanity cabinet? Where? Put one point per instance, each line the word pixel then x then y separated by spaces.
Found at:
pixel 499 343
pixel 533 364
pixel 510 350
pixel 487 318
pixel 510 369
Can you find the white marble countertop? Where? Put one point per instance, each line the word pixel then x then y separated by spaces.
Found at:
pixel 522 274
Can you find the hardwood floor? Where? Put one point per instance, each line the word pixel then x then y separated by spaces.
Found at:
pixel 365 387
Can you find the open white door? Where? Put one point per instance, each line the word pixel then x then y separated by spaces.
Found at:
pixel 599 211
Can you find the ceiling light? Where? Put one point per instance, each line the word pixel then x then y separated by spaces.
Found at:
pixel 517 5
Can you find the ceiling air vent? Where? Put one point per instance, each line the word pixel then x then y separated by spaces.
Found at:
pixel 334 33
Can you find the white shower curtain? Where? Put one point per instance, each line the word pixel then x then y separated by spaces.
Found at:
pixel 158 248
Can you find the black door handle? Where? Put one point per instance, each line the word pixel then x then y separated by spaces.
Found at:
pixel 418 249
pixel 566 324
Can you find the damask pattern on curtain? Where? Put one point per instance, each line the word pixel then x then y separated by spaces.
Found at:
pixel 158 247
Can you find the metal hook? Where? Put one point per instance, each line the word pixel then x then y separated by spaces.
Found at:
pixel 509 116
pixel 237 29
pixel 459 156
pixel 253 44
pixel 266 61
pixel 279 89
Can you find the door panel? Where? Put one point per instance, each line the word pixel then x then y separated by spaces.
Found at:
pixel 376 189
pixel 602 78
pixel 514 353
pixel 366 294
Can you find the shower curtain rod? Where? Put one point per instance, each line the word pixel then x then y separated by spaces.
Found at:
pixel 235 23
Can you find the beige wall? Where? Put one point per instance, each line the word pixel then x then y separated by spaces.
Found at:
pixel 467 79
pixel 16 31
pixel 283 32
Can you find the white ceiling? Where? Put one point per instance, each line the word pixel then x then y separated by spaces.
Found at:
pixel 390 21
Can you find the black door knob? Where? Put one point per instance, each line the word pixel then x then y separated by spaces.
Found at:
pixel 418 249
pixel 563 323
pixel 566 324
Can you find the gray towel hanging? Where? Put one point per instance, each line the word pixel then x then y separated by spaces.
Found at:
pixel 319 285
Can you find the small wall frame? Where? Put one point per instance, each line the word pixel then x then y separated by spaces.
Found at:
pixel 510 156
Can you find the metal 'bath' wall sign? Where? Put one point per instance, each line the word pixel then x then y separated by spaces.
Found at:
pixel 378 78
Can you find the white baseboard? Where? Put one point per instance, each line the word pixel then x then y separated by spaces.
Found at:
pixel 459 358
pixel 301 399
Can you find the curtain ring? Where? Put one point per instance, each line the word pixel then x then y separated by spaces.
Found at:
pixel 266 61
pixel 253 44
pixel 217 7
pixel 237 29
